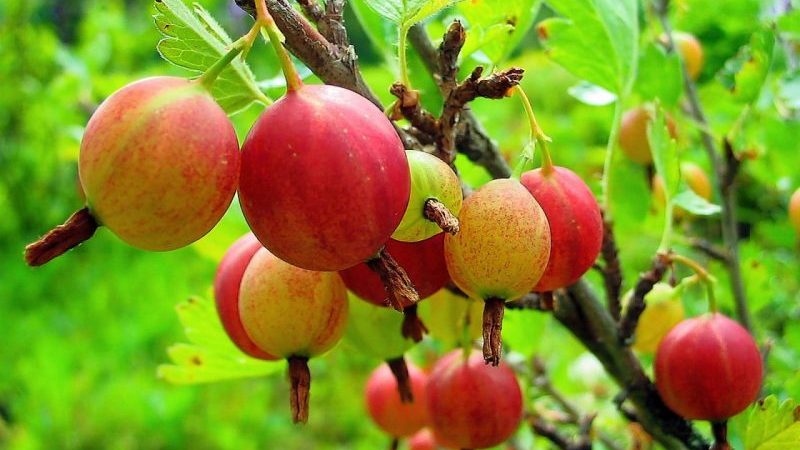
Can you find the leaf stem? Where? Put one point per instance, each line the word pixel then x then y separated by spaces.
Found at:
pixel 701 272
pixel 241 45
pixel 293 81
pixel 401 56
pixel 536 132
pixel 666 235
pixel 612 143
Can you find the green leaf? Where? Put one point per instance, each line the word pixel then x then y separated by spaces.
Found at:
pixel 591 94
pixel 380 32
pixel 744 74
pixel 690 201
pixel 665 153
pixel 500 25
pixel 406 13
pixel 195 41
pixel 659 76
pixel 596 40
pixel 210 356
pixel 773 425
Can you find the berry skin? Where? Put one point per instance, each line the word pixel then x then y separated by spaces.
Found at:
pixel 503 246
pixel 394 417
pixel 708 368
pixel 576 226
pixel 794 210
pixel 633 135
pixel 292 313
pixel 472 405
pixel 431 178
pixel 423 261
pixel 159 163
pixel 226 293
pixel 325 180
pixel 691 52
pixel 422 440
pixel 664 310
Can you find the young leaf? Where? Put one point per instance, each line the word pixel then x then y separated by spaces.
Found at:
pixel 690 201
pixel 406 13
pixel 381 33
pixel 665 154
pixel 210 356
pixel 773 425
pixel 659 76
pixel 744 74
pixel 193 40
pixel 501 23
pixel 596 40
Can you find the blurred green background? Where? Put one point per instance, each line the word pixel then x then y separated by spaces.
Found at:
pixel 82 337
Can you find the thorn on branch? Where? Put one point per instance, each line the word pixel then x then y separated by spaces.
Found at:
pixel 627 324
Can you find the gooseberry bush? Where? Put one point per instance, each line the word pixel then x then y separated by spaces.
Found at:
pixel 372 220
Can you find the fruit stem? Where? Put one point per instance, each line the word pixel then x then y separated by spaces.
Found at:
pixel 437 212
pixel 395 280
pixel 612 143
pixel 400 371
pixel 702 273
pixel 300 378
pixel 412 327
pixel 242 44
pixel 536 132
pixel 720 432
pixel 78 228
pixel 493 310
pixel 293 81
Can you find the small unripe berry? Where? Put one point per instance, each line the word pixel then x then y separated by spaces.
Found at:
pixel 633 135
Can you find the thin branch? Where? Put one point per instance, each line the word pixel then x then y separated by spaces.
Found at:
pixel 471 138
pixel 547 430
pixel 612 271
pixel 709 249
pixel 636 306
pixel 725 174
pixel 582 314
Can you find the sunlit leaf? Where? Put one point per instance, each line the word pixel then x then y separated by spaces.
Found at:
pixel 210 356
pixel 499 25
pixel 773 425
pixel 591 94
pixel 695 204
pixel 596 40
pixel 195 41
pixel 659 76
pixel 744 74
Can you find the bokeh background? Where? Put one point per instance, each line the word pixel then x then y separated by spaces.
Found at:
pixel 81 338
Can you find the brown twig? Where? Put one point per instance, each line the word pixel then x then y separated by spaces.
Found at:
pixel 437 212
pixel 583 315
pixel 78 228
pixel 709 249
pixel 395 280
pixel 400 371
pixel 413 328
pixel 471 138
pixel 611 271
pixel 548 431
pixel 528 301
pixel 300 379
pixel 725 174
pixel 493 310
pixel 637 305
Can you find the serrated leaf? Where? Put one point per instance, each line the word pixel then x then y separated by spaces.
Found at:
pixel 773 425
pixel 508 20
pixel 210 356
pixel 596 40
pixel 695 204
pixel 195 41
pixel 406 13
pixel 665 153
pixel 744 74
pixel 659 75
pixel 591 94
